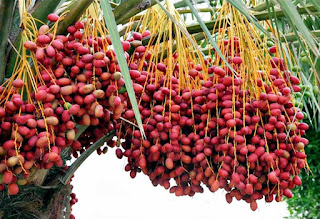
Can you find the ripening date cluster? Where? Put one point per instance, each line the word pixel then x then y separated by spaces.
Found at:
pixel 75 85
pixel 222 134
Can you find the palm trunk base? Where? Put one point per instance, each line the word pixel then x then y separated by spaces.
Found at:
pixel 38 201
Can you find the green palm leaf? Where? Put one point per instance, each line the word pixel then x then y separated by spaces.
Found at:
pixel 292 14
pixel 115 38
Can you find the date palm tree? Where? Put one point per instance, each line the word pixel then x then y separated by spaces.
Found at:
pixel 293 25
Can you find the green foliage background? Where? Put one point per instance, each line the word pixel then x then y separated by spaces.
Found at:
pixel 306 200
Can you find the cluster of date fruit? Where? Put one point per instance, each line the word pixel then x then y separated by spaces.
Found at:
pixel 221 134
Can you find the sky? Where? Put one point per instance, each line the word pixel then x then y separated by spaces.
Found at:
pixel 105 190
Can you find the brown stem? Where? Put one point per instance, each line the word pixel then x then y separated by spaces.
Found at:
pixel 292 36
pixel 186 11
pixel 69 173
pixel 183 4
pixel 129 8
pixel 261 7
pixel 76 9
pixel 6 12
pixel 279 13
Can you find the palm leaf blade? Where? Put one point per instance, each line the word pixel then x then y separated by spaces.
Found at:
pixel 115 38
pixel 293 15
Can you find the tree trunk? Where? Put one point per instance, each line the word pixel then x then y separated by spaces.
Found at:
pixel 38 200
